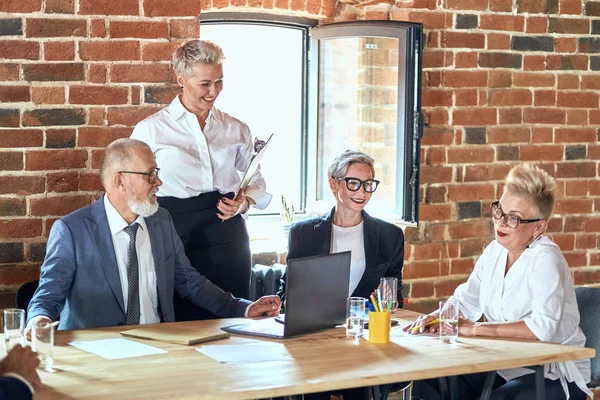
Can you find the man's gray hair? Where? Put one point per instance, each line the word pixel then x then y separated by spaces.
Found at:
pixel 195 52
pixel 340 164
pixel 117 157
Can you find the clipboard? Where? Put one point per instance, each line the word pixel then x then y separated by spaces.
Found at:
pixel 253 167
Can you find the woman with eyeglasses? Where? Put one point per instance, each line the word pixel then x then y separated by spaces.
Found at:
pixel 202 153
pixel 523 287
pixel 377 247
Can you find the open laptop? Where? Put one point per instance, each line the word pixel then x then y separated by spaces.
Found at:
pixel 316 292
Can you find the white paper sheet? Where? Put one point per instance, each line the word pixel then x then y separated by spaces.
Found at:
pixel 246 353
pixel 116 349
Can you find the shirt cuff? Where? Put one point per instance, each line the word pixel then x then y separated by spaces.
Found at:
pixel 247 309
pixel 262 199
pixel 19 377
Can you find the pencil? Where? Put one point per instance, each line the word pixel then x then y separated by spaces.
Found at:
pixel 374 303
pixel 435 321
pixel 379 299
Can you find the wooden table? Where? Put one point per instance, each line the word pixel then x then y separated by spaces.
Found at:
pixel 321 361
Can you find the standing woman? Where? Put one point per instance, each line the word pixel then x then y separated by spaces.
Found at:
pixel 203 153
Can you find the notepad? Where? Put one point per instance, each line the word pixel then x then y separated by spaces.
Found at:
pixel 171 334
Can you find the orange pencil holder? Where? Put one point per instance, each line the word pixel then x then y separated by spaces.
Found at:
pixel 380 324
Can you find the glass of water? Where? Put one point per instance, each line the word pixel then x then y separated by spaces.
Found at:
pixel 355 317
pixel 42 342
pixel 448 321
pixel 389 293
pixel 14 324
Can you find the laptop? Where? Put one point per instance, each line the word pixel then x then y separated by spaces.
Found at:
pixel 316 293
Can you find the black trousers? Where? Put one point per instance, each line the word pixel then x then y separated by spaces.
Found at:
pixel 470 387
pixel 218 250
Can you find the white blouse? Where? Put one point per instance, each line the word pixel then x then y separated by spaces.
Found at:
pixel 193 161
pixel 351 239
pixel 538 289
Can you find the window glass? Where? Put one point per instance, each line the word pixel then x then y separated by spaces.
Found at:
pixel 263 81
pixel 358 109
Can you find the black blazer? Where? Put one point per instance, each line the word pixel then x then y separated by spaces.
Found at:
pixel 12 388
pixel 384 250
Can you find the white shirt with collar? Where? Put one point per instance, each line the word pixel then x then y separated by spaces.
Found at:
pixel 147 272
pixel 193 161
pixel 538 290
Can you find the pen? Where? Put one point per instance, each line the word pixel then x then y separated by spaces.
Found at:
pixel 370 305
pixel 379 299
pixel 435 321
pixel 374 303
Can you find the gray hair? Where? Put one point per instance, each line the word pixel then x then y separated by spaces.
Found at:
pixel 529 180
pixel 117 157
pixel 340 164
pixel 195 52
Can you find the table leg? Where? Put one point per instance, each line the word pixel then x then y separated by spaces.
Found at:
pixel 487 388
pixel 453 387
pixel 381 392
pixel 540 384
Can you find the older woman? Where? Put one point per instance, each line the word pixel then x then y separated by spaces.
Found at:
pixel 203 152
pixel 523 287
pixel 377 247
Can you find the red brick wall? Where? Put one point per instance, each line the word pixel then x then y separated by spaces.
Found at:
pixel 503 81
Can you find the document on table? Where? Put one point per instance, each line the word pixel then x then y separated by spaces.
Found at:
pixel 116 349
pixel 246 353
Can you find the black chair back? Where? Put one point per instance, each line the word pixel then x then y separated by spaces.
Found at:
pixel 587 302
pixel 24 295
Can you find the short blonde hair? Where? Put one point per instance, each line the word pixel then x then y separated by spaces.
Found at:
pixel 341 162
pixel 195 52
pixel 526 179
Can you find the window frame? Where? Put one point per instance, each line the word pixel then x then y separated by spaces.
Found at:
pixel 410 47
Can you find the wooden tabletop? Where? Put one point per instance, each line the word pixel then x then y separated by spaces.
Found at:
pixel 321 361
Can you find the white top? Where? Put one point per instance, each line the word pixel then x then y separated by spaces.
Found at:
pixel 147 272
pixel 193 161
pixel 353 239
pixel 538 289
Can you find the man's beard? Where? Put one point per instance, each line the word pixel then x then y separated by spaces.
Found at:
pixel 145 208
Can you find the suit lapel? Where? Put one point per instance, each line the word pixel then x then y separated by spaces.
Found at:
pixel 158 255
pixel 100 231
pixel 371 235
pixel 322 233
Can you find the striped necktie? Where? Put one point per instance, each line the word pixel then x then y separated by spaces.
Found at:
pixel 133 289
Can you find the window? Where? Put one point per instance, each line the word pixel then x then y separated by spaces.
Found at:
pixel 323 90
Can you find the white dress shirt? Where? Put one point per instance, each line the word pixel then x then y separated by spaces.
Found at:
pixel 538 289
pixel 193 161
pixel 147 272
pixel 353 239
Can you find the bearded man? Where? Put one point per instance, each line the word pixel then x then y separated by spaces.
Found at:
pixel 119 260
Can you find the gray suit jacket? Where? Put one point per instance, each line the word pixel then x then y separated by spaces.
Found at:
pixel 80 278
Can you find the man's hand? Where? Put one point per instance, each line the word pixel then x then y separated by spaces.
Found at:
pixel 266 305
pixel 22 361
pixel 39 320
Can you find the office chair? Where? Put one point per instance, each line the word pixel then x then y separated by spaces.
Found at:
pixel 24 295
pixel 587 301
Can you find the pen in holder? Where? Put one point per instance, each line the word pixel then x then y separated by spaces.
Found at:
pixel 380 324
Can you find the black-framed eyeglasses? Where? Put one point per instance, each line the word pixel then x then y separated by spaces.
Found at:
pixel 353 184
pixel 511 220
pixel 152 175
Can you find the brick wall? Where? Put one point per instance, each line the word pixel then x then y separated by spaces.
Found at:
pixel 503 81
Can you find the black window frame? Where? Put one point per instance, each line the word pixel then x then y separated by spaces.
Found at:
pixel 412 117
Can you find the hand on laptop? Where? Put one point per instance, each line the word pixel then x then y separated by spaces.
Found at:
pixel 266 305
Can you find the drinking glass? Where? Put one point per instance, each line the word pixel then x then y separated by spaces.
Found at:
pixel 355 317
pixel 389 293
pixel 448 321
pixel 42 342
pixel 14 324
